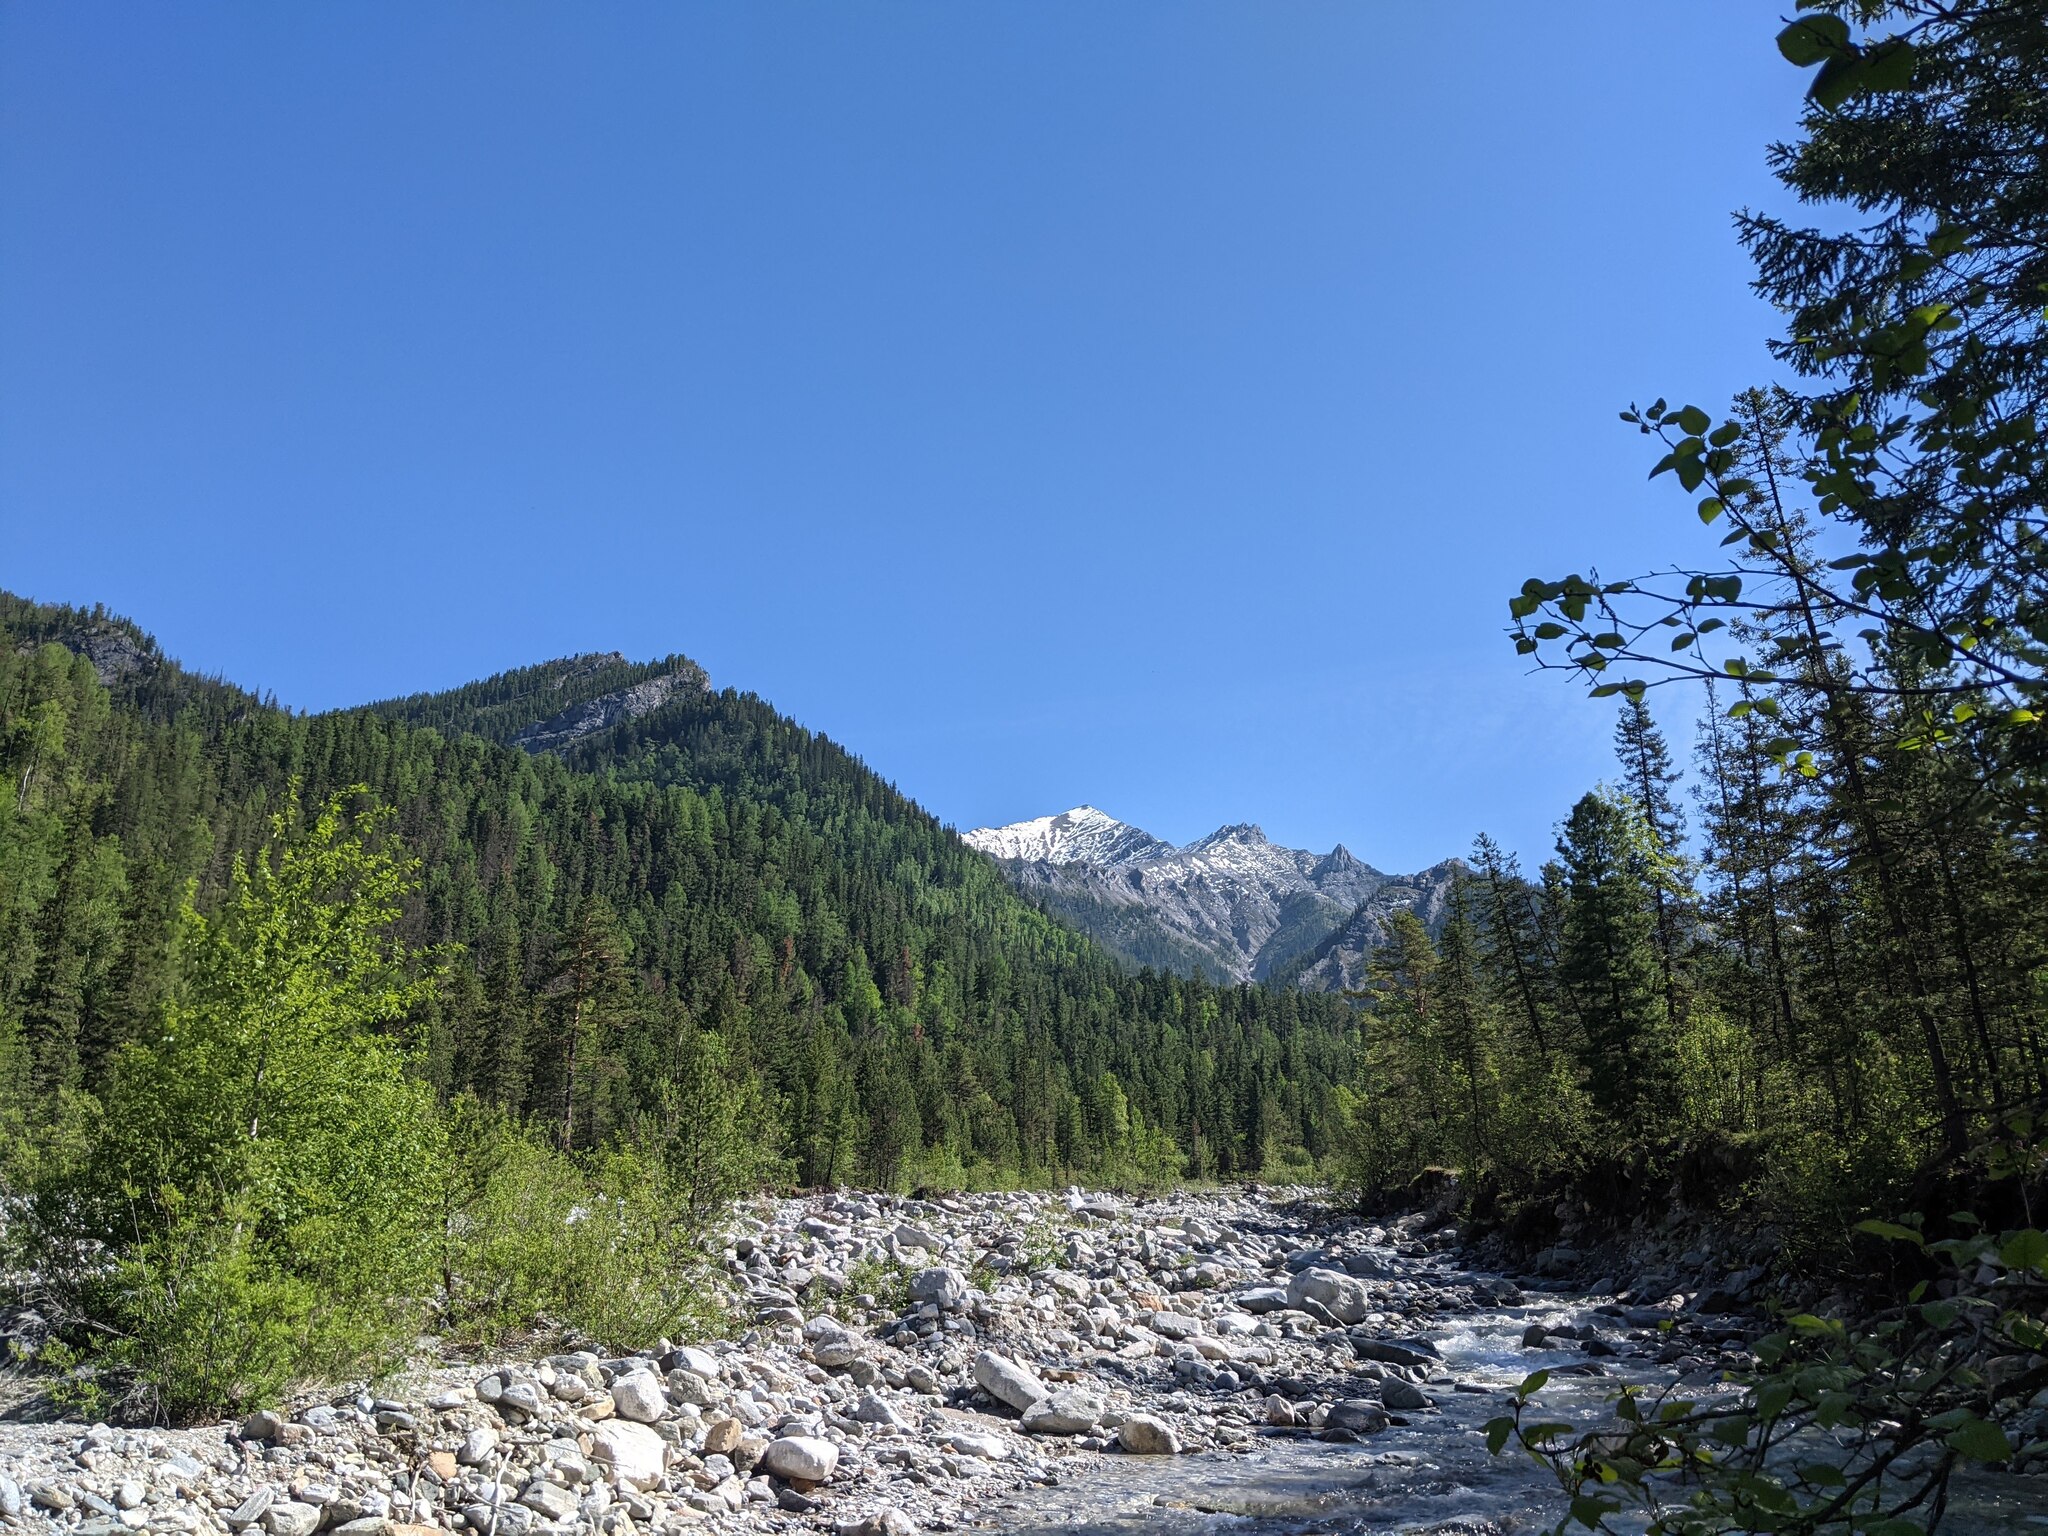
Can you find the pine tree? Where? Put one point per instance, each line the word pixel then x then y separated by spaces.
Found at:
pixel 1646 769
pixel 1609 966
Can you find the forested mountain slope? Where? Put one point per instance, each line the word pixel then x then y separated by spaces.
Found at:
pixel 705 871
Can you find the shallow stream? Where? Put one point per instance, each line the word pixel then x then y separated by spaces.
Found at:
pixel 1432 1475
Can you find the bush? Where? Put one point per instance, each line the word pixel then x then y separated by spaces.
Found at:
pixel 255 1207
pixel 602 1247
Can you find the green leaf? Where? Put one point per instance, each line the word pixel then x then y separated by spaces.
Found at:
pixel 1693 421
pixel 1532 1384
pixel 1813 38
pixel 2025 1249
pixel 1710 508
pixel 1893 1231
pixel 1497 1432
pixel 1888 66
pixel 1980 1440
pixel 1836 82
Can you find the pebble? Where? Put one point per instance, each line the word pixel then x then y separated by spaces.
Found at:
pixel 1008 1341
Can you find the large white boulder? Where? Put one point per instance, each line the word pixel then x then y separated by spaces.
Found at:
pixel 634 1452
pixel 1343 1297
pixel 1006 1381
pixel 800 1458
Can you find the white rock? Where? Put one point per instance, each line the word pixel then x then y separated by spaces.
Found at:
pixel 974 1442
pixel 639 1396
pixel 800 1458
pixel 1343 1297
pixel 1069 1411
pixel 702 1361
pixel 1143 1434
pixel 477 1446
pixel 634 1452
pixel 1006 1381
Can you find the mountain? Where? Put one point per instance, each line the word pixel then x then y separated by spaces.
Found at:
pixel 1232 905
pixel 741 880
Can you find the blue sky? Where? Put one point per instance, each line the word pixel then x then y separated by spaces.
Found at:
pixel 1144 404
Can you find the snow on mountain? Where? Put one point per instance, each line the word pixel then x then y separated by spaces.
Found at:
pixel 1233 904
pixel 1083 835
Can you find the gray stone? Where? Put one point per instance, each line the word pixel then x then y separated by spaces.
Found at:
pixel 1069 1411
pixel 263 1424
pixel 1143 1434
pixel 549 1500
pixel 1006 1381
pixel 973 1442
pixel 292 1518
pixel 876 1409
pixel 943 1288
pixel 12 1500
pixel 1175 1325
pixel 1343 1297
pixel 800 1458
pixel 638 1396
pixel 251 1509
pixel 1415 1354
pixel 688 1387
pixel 1359 1415
pixel 477 1447
pixel 50 1496
pixel 634 1452
pixel 1261 1299
pixel 1403 1396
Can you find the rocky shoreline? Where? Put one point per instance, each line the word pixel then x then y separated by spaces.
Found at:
pixel 908 1365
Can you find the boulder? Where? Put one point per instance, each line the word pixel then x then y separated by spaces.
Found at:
pixel 1069 1411
pixel 800 1459
pixel 1338 1294
pixel 722 1435
pixel 1006 1381
pixel 1143 1434
pixel 1359 1415
pixel 291 1518
pixel 973 1442
pixel 943 1288
pixel 1403 1396
pixel 634 1452
pixel 551 1501
pixel 1415 1354
pixel 639 1396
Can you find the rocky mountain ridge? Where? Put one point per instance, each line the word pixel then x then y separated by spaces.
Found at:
pixel 1233 904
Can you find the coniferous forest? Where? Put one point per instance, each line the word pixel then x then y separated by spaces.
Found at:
pixel 1790 958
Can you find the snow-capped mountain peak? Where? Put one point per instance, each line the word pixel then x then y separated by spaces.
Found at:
pixel 1082 835
pixel 1232 903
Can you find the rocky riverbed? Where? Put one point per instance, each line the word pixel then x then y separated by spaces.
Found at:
pixel 1018 1362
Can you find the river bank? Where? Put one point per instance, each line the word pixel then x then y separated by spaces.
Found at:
pixel 1013 1362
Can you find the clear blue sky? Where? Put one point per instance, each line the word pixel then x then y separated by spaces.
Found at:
pixel 1143 404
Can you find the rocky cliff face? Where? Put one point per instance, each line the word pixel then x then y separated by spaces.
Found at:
pixel 1338 963
pixel 605 711
pixel 1233 904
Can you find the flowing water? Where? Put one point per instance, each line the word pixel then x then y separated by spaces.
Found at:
pixel 1432 1475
